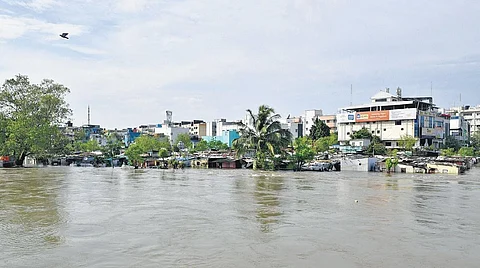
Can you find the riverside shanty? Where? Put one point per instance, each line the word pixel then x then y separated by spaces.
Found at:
pixel 410 164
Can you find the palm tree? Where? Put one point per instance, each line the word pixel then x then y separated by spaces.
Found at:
pixel 264 136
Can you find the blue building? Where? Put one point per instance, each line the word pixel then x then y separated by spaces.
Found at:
pixel 228 136
pixel 130 136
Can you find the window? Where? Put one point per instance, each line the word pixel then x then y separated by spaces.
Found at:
pixel 388 143
pixel 384 129
pixel 401 129
pixel 373 131
pixel 378 131
pixel 398 122
pixel 348 133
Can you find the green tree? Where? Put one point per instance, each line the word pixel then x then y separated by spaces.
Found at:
pixel 447 152
pixel 265 137
pixel 391 163
pixel 163 153
pixel 185 139
pixel 475 140
pixel 113 146
pixel 217 145
pixel 363 133
pixel 466 151
pixel 201 146
pixel 90 146
pixel 451 142
pixel 323 144
pixel 145 144
pixel 134 153
pixel 303 151
pixel 376 146
pixel 30 114
pixel 319 130
pixel 407 142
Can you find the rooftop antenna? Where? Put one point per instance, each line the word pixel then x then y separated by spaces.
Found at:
pixel 88 115
pixel 431 89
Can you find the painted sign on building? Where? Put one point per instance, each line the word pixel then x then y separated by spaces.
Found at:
pixel 437 133
pixel 372 116
pixel 403 114
pixel 345 117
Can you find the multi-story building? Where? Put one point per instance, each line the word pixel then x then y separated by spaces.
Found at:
pixel 470 114
pixel 198 129
pixel 227 137
pixel 391 117
pixel 330 121
pixel 460 129
pixel 309 119
pixel 148 129
pixel 211 128
pixel 224 125
pixel 294 125
pixel 171 132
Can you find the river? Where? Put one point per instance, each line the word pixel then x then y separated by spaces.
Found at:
pixel 101 217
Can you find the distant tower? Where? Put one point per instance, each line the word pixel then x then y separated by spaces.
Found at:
pixel 88 115
pixel 169 118
pixel 399 92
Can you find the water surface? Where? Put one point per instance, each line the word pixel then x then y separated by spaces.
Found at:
pixel 101 217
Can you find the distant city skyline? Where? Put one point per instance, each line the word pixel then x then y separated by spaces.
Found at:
pixel 130 60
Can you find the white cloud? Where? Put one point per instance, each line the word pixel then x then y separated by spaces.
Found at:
pixel 205 60
pixel 82 49
pixel 36 5
pixel 132 5
pixel 15 27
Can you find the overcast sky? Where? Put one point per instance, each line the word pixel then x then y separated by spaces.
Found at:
pixel 131 60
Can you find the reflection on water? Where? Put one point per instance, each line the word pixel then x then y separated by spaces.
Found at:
pixel 29 210
pixel 94 217
pixel 266 193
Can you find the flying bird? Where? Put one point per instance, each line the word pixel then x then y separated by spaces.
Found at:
pixel 64 35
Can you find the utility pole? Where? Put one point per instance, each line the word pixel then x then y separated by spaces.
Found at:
pixel 88 115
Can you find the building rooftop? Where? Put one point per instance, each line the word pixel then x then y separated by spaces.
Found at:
pixel 382 95
pixel 376 104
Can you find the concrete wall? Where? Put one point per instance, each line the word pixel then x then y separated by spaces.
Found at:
pixel 361 164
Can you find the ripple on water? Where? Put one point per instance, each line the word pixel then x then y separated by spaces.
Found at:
pixel 79 230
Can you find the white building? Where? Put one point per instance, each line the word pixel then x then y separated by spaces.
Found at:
pixel 171 132
pixel 470 114
pixel 390 117
pixel 211 128
pixel 459 129
pixel 223 125
pixel 294 125
pixel 309 119
pixel 99 138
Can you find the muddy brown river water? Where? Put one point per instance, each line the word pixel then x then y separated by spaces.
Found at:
pixel 101 217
